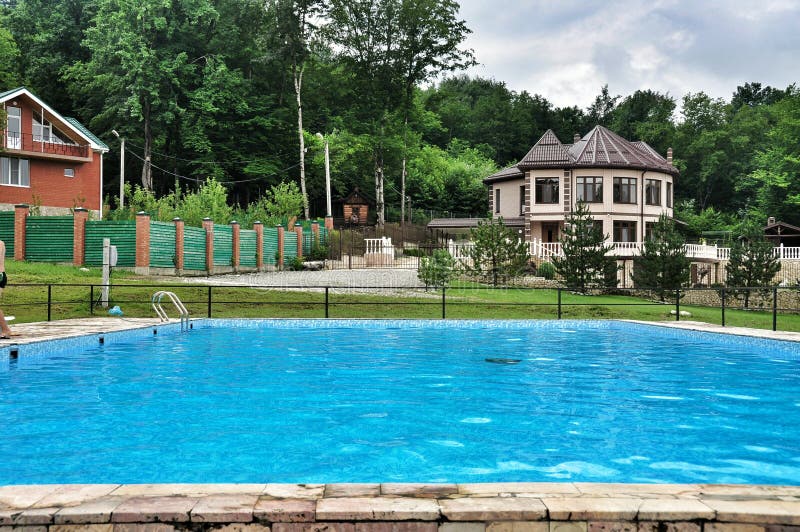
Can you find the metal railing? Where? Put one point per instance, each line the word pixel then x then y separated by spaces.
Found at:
pixel 34 143
pixel 78 300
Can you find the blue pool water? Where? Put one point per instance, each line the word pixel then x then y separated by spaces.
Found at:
pixel 357 401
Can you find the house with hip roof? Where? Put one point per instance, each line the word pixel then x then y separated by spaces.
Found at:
pixel 626 185
pixel 46 159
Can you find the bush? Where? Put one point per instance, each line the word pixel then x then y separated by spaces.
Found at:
pixel 547 270
pixel 436 270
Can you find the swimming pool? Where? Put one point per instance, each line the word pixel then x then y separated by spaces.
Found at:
pixel 409 401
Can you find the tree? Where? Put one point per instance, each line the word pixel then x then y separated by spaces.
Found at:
pixel 662 264
pixel 601 112
pixel 284 200
pixel 9 56
pixel 752 264
pixel 497 251
pixel 436 270
pixel 584 261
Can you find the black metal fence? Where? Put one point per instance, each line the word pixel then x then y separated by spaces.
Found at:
pixel 766 307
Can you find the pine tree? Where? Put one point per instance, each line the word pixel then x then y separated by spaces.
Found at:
pixel 752 264
pixel 585 261
pixel 662 265
pixel 498 251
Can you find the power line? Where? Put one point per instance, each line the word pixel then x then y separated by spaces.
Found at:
pixel 195 161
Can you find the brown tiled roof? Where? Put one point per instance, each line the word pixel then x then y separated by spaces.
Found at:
pixel 598 148
pixel 512 172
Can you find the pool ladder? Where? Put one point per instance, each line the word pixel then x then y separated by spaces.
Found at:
pixel 184 314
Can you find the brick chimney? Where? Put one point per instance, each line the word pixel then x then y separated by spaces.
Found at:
pixel 575 138
pixel 669 155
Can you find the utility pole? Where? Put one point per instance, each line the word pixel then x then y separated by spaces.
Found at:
pixel 121 169
pixel 327 177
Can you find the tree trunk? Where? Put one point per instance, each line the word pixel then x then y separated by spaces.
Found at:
pixel 147 172
pixel 379 207
pixel 297 74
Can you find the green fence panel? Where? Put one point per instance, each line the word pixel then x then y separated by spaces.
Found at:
pixel 7 231
pixel 223 245
pixel 289 247
pixel 162 245
pixel 49 238
pixel 194 248
pixel 122 235
pixel 323 236
pixel 247 248
pixel 308 241
pixel 270 245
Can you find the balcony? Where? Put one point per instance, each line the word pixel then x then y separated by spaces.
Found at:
pixel 28 145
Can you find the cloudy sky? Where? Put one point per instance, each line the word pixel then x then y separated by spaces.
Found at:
pixel 566 50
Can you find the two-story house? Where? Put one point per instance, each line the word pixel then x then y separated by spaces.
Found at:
pixel 626 185
pixel 47 160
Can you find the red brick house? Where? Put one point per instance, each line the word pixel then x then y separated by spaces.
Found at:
pixel 47 160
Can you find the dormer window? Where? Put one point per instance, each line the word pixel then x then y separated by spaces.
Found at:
pixel 43 131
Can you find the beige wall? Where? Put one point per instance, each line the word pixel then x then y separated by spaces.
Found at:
pixel 509 198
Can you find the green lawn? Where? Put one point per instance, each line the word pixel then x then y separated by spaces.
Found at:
pixel 70 295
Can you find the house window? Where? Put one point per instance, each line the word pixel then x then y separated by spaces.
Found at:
pixel 14 172
pixel 624 231
pixel 69 172
pixel 669 194
pixel 546 190
pixel 590 189
pixel 648 230
pixel 43 131
pixel 652 192
pixel 624 190
pixel 497 201
pixel 13 128
pixel 522 200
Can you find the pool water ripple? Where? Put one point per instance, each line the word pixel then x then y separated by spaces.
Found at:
pixel 345 401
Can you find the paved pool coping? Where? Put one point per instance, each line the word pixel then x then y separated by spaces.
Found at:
pixel 489 507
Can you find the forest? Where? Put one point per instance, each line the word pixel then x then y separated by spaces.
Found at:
pixel 246 92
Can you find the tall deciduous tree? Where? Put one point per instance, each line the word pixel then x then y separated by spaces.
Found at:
pixel 139 62
pixel 584 261
pixel 752 263
pixel 662 264
pixel 9 57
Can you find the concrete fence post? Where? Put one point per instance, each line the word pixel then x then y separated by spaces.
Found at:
pixel 208 225
pixel 142 243
pixel 179 240
pixel 258 227
pixel 235 251
pixel 79 218
pixel 21 213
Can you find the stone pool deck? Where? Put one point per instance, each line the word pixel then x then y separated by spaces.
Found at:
pixel 498 507
pixel 495 507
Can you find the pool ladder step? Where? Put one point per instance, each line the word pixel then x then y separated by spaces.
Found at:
pixel 162 314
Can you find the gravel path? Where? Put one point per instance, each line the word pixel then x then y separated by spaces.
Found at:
pixel 394 281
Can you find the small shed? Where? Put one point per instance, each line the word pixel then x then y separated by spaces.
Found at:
pixel 355 208
pixel 782 233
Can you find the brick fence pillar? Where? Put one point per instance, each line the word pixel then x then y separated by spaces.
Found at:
pixel 208 225
pixel 329 223
pixel 179 225
pixel 235 251
pixel 315 233
pixel 142 243
pixel 281 240
pixel 299 230
pixel 258 227
pixel 21 213
pixel 79 218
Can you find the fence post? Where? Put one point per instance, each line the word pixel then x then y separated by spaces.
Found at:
pixel 444 302
pixel 281 241
pixel 678 304
pixel 326 300
pixel 775 308
pixel 179 243
pixel 723 307
pixel 21 213
pixel 208 225
pixel 235 243
pixel 299 230
pixel 142 243
pixel 49 301
pixel 209 301
pixel 258 227
pixel 559 302
pixel 79 217
pixel 91 299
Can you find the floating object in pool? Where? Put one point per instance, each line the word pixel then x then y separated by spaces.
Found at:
pixel 504 360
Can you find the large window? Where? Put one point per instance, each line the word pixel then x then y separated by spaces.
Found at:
pixel 14 172
pixel 624 190
pixel 652 192
pixel 497 200
pixel 546 190
pixel 522 200
pixel 590 189
pixel 624 231
pixel 669 194
pixel 13 128
pixel 43 131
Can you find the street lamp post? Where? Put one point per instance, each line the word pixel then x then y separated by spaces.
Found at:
pixel 327 176
pixel 121 169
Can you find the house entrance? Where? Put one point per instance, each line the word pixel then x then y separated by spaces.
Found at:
pixel 550 232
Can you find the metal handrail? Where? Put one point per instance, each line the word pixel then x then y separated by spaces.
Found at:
pixel 162 314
